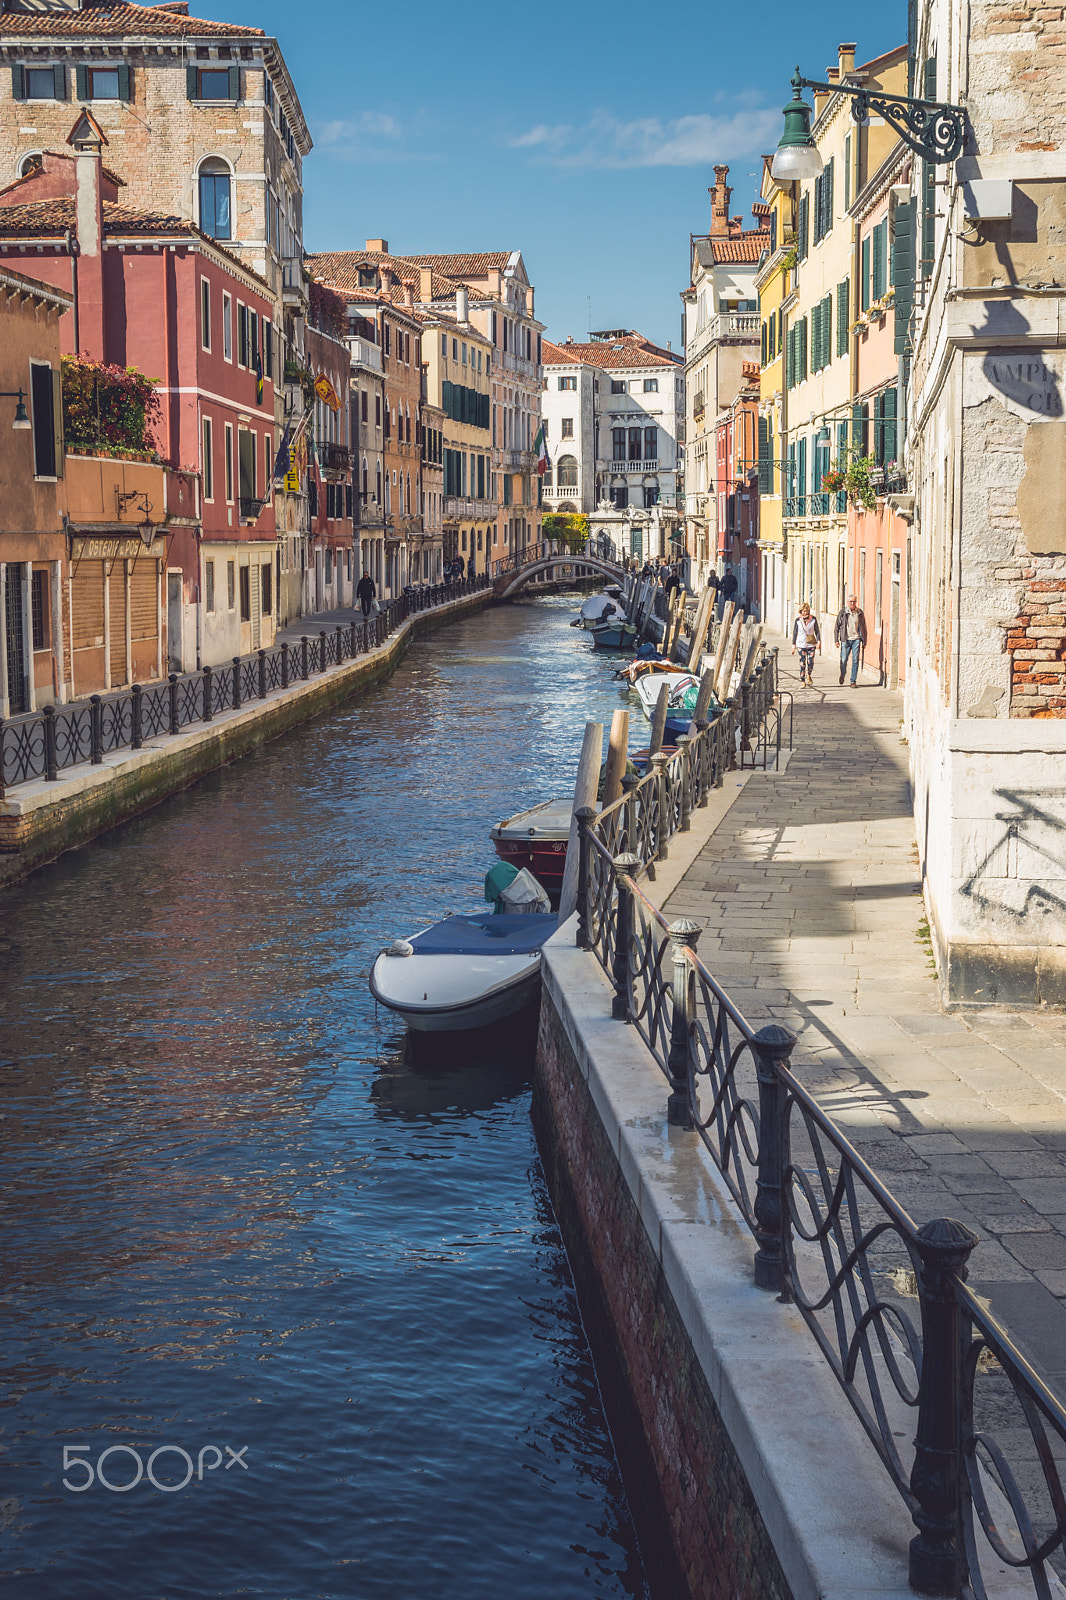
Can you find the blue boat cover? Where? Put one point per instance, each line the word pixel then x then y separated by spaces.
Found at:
pixel 486 934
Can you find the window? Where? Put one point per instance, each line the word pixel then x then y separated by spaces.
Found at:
pixel 266 588
pixel 618 438
pixel 244 336
pixel 268 461
pixel 213 83
pixel 651 444
pixel 568 428
pixel 246 465
pixel 568 383
pixel 246 594
pixel 231 581
pixel 843 315
pixel 567 472
pixel 651 386
pixel 377 410
pixel 104 83
pixel 229 462
pixel 209 585
pixel 39 609
pixel 47 419
pixel 208 465
pixel 205 314
pixel 39 83
pixel 634 444
pixel 618 386
pixel 268 345
pixel 227 327
pixel 215 217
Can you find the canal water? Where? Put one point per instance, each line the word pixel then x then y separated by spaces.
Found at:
pixel 285 1309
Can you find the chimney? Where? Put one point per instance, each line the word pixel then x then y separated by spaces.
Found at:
pixel 846 55
pixel 720 197
pixel 425 283
pixel 408 294
pixel 462 306
pixel 378 247
pixel 88 141
pixel 821 99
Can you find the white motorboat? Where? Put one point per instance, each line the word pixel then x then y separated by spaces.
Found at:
pixel 600 609
pixel 683 690
pixel 464 972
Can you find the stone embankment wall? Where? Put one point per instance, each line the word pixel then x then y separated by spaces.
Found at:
pixel 39 821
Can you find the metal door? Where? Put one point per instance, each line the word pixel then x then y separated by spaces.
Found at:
pixel 174 621
pixel 253 581
pixel 16 642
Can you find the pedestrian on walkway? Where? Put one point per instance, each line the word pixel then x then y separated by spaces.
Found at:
pixel 850 635
pixel 806 638
pixel 366 589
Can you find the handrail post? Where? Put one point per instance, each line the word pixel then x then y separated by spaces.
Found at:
pixel 137 730
pixel 772 1047
pixel 624 865
pixel 208 694
pixel 96 725
pixel 628 832
pixel 262 674
pixel 678 1062
pixel 944 1246
pixel 175 725
pixel 322 649
pixel 340 645
pixel 51 767
pixel 236 683
pixel 659 762
pixel 284 663
pixel 351 630
pixel 684 763
pixel 585 817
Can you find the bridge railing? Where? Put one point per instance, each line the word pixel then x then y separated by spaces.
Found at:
pixel 556 549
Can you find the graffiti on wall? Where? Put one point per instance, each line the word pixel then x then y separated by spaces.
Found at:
pixel 1022 869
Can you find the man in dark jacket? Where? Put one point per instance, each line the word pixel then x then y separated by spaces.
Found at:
pixel 366 589
pixel 850 635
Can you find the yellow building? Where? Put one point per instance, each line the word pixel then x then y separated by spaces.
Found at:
pixel 810 383
pixel 457 358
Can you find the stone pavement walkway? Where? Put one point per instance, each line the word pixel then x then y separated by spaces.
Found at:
pixel 810 894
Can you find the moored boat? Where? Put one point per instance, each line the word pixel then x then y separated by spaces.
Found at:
pixel 616 635
pixel 464 972
pixel 684 689
pixel 537 839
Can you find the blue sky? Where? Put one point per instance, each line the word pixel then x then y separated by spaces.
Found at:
pixel 582 134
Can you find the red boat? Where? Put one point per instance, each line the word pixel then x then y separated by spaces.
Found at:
pixel 537 839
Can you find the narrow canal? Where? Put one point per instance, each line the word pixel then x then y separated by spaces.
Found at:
pixel 240 1223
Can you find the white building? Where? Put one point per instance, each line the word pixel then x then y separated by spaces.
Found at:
pixel 614 406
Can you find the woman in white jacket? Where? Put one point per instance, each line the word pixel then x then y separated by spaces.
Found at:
pixel 806 638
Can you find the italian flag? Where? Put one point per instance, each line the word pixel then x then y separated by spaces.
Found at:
pixel 541 447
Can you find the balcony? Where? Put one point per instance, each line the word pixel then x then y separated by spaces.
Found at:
pixel 460 508
pixel 653 465
pixel 562 492
pixel 519 460
pixel 250 508
pixel 293 283
pixel 335 457
pixel 739 326
pixel 365 354
pixel 515 363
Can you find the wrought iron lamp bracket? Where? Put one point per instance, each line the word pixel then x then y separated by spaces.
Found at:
pixel 933 129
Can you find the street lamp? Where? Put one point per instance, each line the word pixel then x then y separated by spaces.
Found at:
pixel 22 419
pixel 933 129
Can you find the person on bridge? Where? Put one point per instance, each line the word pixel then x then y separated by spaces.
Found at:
pixel 366 589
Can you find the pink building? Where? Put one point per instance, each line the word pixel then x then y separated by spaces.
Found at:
pixel 877 538
pixel 153 292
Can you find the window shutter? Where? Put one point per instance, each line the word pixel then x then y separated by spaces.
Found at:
pixel 803 349
pixel 928 179
pixel 842 318
pixel 864 301
pixel 877 286
pixel 790 345
pixel 82 77
pixel 762 344
pixel 818 208
pixel 18 83
pixel 903 272
pixel 234 83
pixel 60 74
pixel 801 230
pixel 57 418
pixel 889 413
pixel 124 88
pixel 192 83
pixel 764 457
pixel 828 329
pixel 827 195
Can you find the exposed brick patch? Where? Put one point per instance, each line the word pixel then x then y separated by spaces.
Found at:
pixel 1036 643
pixel 719 1539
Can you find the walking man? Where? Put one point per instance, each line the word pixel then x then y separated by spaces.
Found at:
pixel 850 635
pixel 366 589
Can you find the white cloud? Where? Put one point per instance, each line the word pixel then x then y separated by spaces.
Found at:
pixel 692 141
pixel 370 136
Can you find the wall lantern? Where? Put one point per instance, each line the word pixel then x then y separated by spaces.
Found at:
pixel 22 419
pixel 932 129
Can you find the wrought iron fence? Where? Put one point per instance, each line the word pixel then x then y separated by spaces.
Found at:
pixel 971 1437
pixel 45 743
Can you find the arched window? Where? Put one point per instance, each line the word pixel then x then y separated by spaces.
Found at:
pixel 410 502
pixel 568 472
pixel 379 485
pixel 31 163
pixel 215 210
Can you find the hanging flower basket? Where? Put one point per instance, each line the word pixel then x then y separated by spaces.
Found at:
pixel 834 480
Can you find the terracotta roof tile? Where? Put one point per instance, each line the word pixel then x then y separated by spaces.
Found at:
pixel 743 247
pixel 608 354
pixel 340 269
pixel 466 266
pixel 117 21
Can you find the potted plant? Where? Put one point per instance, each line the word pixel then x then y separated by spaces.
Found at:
pixel 858 482
pixel 834 480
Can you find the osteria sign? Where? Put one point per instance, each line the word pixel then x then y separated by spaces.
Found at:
pixel 117 549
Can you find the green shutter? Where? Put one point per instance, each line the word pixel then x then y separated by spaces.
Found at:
pixel 928 182
pixel 82 76
pixel 125 91
pixel 18 83
pixel 817 230
pixel 827 195
pixel 764 456
pixel 192 83
pixel 864 298
pixel 843 318
pixel 803 348
pixel 60 75
pixel 856 429
pixel 57 419
pixel 888 412
pixel 234 83
pixel 828 328
pixel 801 230
pixel 903 271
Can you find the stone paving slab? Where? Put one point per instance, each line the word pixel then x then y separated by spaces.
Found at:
pixel 810 894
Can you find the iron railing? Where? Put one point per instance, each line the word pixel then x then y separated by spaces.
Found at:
pixel 45 743
pixel 545 549
pixel 971 1437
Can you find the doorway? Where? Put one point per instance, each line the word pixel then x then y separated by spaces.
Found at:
pixel 174 622
pixel 16 639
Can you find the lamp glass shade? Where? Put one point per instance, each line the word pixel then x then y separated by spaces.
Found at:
pixel 794 162
pixel 21 416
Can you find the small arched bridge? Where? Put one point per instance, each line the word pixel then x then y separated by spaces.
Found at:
pixel 513 572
